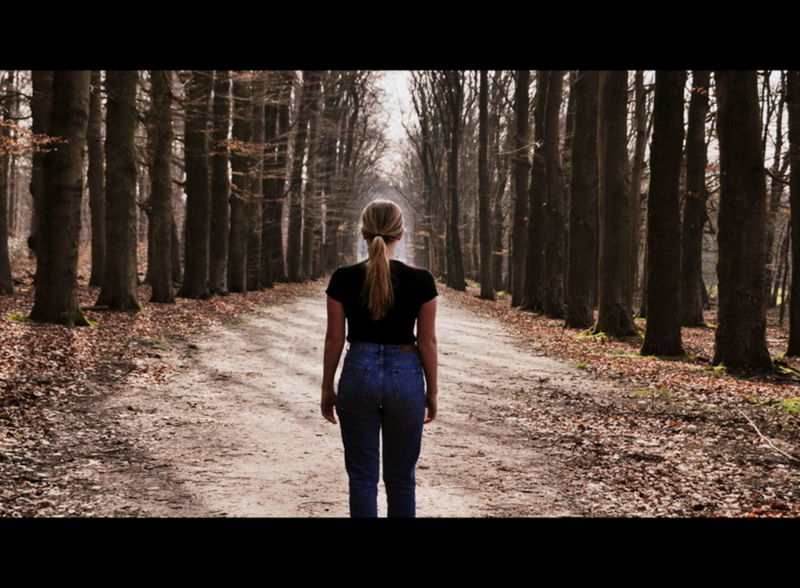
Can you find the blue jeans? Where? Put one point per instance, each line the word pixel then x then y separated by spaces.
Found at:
pixel 381 389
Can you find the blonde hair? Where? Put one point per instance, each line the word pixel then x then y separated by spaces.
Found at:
pixel 382 222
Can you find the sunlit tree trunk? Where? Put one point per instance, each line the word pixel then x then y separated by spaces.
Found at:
pixel 240 183
pixel 484 202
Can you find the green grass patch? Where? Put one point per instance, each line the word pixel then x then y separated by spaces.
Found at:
pixel 582 365
pixel 791 405
pixel 22 318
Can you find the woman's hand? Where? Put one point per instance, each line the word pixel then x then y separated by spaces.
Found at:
pixel 327 405
pixel 430 408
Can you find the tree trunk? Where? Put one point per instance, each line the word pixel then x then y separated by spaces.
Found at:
pixel 484 202
pixel 255 202
pixel 455 93
pixel 118 291
pixel 41 111
pixel 663 334
pixel 694 207
pixel 312 206
pixel 554 208
pixel 240 184
pixel 637 167
pixel 294 241
pixel 95 175
pixel 793 99
pixel 614 316
pixel 775 194
pixel 537 196
pixel 220 184
pixel 519 249
pixel 198 195
pixel 582 269
pixel 56 296
pixel 161 219
pixel 740 337
pixel 6 88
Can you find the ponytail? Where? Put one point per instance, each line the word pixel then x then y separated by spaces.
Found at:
pixel 381 223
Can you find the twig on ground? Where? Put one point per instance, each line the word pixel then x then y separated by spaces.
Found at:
pixel 760 434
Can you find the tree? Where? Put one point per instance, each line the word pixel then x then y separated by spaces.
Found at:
pixel 55 299
pixel 198 196
pixel 614 316
pixel 41 111
pixel 240 183
pixel 161 218
pixel 487 286
pixel 694 206
pixel 255 201
pixel 793 100
pixel 294 240
pixel 537 196
pixel 519 245
pixel 554 207
pixel 740 337
pixel 582 250
pixel 663 334
pixel 95 179
pixel 118 291
pixel 6 284
pixel 220 184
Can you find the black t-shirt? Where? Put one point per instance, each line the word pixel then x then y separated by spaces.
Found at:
pixel 411 286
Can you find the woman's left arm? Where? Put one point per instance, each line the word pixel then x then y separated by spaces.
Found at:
pixel 334 343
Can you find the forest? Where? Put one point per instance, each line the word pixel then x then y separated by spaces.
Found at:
pixel 634 223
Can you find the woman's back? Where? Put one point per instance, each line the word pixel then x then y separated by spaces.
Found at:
pixel 412 287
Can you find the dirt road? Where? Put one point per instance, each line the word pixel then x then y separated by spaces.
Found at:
pixel 236 431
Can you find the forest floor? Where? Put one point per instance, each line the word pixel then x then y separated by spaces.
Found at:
pixel 210 409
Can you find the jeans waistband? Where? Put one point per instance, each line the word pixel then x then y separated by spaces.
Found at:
pixel 382 349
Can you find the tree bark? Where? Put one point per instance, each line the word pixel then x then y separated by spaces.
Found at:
pixel 220 184
pixel 41 111
pixel 240 185
pixel 554 208
pixel 793 99
pixel 614 316
pixel 294 240
pixel 519 248
pixel 484 202
pixel 663 334
pixel 95 175
pixel 582 269
pixel 255 202
pixel 118 291
pixel 740 337
pixel 455 100
pixel 161 218
pixel 6 282
pixel 56 299
pixel 694 207
pixel 312 208
pixel 537 196
pixel 637 168
pixel 198 195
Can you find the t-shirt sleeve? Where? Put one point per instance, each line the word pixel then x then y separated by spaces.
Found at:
pixel 336 286
pixel 428 288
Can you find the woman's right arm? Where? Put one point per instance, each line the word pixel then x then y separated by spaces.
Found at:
pixel 426 342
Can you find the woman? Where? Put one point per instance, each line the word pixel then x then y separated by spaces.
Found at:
pixel 381 388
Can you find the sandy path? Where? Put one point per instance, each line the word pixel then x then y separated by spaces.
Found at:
pixel 236 431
